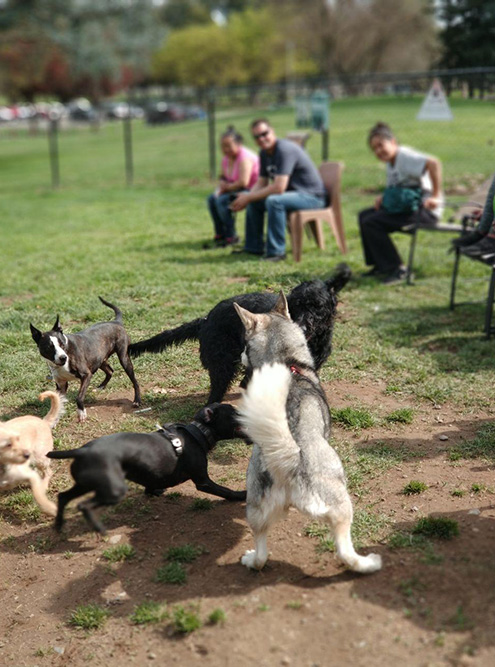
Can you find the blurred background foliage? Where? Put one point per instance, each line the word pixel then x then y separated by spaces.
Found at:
pixel 63 49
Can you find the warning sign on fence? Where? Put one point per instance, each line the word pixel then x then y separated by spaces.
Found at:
pixel 435 105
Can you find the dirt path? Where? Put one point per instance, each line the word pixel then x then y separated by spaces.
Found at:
pixel 433 605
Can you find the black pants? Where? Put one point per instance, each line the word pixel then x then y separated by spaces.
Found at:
pixel 377 225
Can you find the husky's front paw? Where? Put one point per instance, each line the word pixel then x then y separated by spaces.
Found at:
pixel 249 560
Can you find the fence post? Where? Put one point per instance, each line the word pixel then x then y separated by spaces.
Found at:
pixel 53 148
pixel 211 133
pixel 325 142
pixel 129 167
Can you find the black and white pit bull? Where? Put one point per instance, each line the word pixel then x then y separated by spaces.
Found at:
pixel 159 460
pixel 78 356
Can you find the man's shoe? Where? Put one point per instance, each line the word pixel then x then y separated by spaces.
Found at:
pixel 484 247
pixel 231 240
pixel 242 251
pixel 217 242
pixel 397 276
pixel 274 258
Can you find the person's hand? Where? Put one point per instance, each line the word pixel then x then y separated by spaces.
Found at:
pixel 240 202
pixel 431 202
pixel 222 188
pixel 378 202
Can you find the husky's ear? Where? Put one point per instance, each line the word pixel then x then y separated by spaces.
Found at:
pixel 56 326
pixel 282 307
pixel 252 322
pixel 35 333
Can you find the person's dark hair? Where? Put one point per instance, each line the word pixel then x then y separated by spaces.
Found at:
pixel 231 132
pixel 257 121
pixel 380 130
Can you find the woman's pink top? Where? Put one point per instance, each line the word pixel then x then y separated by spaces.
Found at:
pixel 231 172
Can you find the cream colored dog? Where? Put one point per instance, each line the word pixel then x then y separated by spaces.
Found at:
pixel 24 443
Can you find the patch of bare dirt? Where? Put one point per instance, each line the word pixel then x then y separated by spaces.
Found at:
pixel 304 608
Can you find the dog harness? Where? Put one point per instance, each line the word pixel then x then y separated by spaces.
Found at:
pixel 169 431
pixel 201 434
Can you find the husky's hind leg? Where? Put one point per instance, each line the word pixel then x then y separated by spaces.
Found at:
pixel 340 519
pixel 260 517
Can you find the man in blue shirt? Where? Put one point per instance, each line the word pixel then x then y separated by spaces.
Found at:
pixel 288 181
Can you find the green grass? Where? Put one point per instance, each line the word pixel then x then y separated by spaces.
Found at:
pixel 119 553
pixel 400 416
pixel 186 553
pixel 414 487
pixel 141 248
pixel 353 418
pixel 437 527
pixel 22 504
pixel 201 505
pixel 149 612
pixel 186 620
pixel 172 573
pixel 88 617
pixel 482 446
pixel 217 617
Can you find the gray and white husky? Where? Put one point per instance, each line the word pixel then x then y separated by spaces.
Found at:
pixel 285 413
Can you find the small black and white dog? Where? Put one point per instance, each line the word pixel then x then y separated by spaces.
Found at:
pixel 167 457
pixel 78 356
pixel 312 305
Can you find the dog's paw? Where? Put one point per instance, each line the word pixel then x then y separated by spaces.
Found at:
pixel 81 415
pixel 249 560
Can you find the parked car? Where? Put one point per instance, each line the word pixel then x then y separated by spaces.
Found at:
pixel 119 110
pixel 82 110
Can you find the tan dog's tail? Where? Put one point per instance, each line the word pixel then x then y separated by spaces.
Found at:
pixel 57 407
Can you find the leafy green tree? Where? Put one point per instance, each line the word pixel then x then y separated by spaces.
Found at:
pixel 468 33
pixel 249 49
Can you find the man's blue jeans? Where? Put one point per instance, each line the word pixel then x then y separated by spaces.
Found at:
pixel 223 217
pixel 277 207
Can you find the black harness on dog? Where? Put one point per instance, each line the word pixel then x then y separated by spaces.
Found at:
pixel 201 434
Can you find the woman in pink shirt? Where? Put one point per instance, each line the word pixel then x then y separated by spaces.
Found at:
pixel 240 170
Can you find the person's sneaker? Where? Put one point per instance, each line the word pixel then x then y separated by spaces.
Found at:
pixel 231 240
pixel 483 247
pixel 397 276
pixel 274 258
pixel 372 273
pixel 218 242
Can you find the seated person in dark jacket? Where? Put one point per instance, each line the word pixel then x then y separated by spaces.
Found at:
pixel 406 168
pixel 480 243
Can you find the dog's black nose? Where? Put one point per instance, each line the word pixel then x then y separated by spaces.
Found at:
pixel 62 359
pixel 26 455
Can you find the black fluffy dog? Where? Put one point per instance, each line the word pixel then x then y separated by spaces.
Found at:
pixel 157 461
pixel 312 306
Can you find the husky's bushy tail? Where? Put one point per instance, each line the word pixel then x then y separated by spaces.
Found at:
pixel 263 416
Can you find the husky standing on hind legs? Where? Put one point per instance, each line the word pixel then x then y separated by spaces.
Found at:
pixel 285 413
